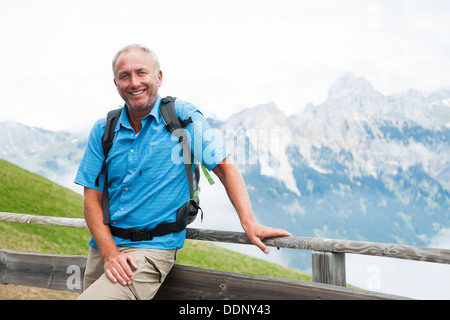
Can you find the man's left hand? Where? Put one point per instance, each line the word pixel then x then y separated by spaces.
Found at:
pixel 256 233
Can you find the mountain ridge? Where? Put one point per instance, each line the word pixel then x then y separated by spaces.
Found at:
pixel 377 160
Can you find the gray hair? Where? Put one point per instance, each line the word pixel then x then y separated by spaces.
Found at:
pixel 151 54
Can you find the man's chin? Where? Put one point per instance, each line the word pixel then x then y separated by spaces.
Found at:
pixel 138 106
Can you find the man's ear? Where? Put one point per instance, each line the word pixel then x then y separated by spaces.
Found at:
pixel 160 78
pixel 115 84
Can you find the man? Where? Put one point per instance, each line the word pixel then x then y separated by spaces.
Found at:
pixel 146 186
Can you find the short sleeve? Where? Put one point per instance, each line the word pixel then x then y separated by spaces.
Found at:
pixel 206 144
pixel 91 163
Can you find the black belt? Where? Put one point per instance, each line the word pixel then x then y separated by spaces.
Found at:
pixel 161 229
pixel 148 234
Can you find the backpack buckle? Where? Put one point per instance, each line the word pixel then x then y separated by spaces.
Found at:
pixel 139 235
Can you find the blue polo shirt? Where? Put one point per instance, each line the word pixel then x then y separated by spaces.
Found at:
pixel 147 180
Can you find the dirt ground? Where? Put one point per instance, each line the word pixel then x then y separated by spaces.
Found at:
pixel 15 292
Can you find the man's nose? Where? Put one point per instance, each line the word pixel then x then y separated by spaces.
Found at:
pixel 134 81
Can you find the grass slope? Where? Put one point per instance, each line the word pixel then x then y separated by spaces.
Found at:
pixel 24 192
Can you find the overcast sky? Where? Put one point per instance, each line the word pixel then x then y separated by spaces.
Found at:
pixel 223 56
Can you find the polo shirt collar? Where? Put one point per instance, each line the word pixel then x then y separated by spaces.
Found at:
pixel 155 110
pixel 125 122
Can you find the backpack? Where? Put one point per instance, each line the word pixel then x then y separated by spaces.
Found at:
pixel 188 212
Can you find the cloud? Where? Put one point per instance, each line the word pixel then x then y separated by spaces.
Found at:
pixel 222 57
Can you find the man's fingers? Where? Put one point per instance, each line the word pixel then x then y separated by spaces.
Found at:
pixel 257 242
pixel 126 268
pixel 110 276
pixel 266 232
pixel 114 276
pixel 132 261
pixel 118 269
pixel 277 233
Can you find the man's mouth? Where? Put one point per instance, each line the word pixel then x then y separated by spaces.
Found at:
pixel 136 93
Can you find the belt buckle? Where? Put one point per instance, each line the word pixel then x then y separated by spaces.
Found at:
pixel 139 235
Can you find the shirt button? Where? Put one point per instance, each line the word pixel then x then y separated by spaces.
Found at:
pixel 132 150
pixel 131 171
pixel 126 189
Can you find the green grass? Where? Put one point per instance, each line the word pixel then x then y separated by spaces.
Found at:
pixel 24 192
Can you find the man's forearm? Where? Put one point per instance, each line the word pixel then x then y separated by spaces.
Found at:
pixel 93 214
pixel 117 264
pixel 236 190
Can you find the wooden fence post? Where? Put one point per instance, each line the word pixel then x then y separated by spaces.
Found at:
pixel 329 267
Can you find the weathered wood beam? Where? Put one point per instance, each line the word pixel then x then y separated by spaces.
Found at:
pixel 185 282
pixel 60 272
pixel 329 267
pixel 43 220
pixel 331 245
pixel 305 243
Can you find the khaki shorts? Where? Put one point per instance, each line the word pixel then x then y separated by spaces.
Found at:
pixel 153 267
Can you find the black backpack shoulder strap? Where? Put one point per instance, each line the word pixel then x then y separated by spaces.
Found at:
pixel 169 115
pixel 108 137
pixel 172 121
pixel 175 125
pixel 107 141
pixel 111 121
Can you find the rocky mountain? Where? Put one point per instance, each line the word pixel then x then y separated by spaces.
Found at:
pixel 54 155
pixel 360 165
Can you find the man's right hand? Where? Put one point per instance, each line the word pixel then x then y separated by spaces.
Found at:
pixel 117 267
pixel 117 264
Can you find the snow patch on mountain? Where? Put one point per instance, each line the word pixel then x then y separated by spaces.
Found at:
pixel 260 135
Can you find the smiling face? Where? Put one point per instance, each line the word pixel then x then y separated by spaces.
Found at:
pixel 137 79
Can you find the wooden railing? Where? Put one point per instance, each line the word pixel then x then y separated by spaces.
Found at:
pixel 328 267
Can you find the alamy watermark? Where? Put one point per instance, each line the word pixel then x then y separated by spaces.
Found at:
pixel 373 21
pixel 374 277
pixel 74 280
